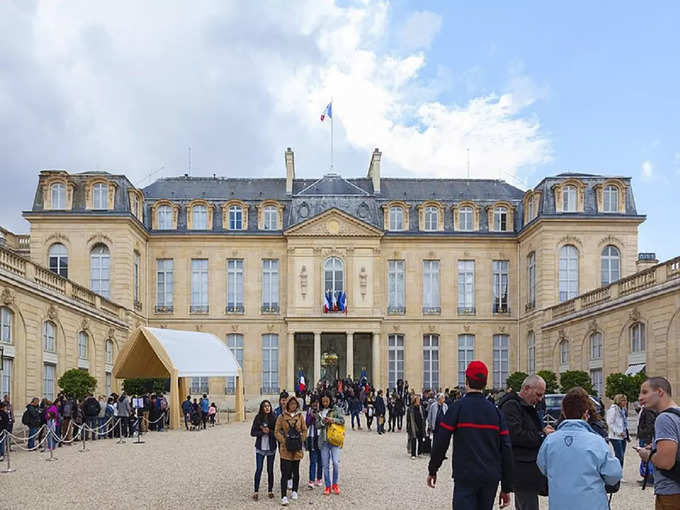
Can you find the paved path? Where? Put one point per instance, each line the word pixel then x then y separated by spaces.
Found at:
pixel 214 469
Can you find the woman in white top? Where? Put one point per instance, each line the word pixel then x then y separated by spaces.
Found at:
pixel 618 427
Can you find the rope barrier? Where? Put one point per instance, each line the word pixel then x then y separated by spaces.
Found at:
pixel 23 439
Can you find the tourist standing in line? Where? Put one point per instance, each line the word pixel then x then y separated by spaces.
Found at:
pixel 283 398
pixel 391 402
pixel 370 409
pixel 618 427
pixel 205 409
pixel 290 432
pixel 663 453
pixel 9 409
pixel 355 410
pixel 436 414
pixel 51 421
pixel 329 453
pixel 186 411
pixel 123 414
pixel 526 435
pixel 67 411
pixel 31 419
pixel 101 416
pixel 91 410
pixel 312 444
pixel 577 460
pixel 482 454
pixel 645 435
pixel 265 446
pixel 380 412
pixel 4 427
pixel 415 426
pixel 399 407
pixel 211 414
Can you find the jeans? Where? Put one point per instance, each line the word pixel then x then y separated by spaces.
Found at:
pixel 369 421
pixel 356 416
pixel 330 453
pixel 123 425
pixel 619 446
pixel 393 422
pixel 416 443
pixel 31 434
pixel 526 500
pixel 92 423
pixel 259 464
pixel 381 426
pixel 474 498
pixel 288 468
pixel 646 466
pixel 315 465
pixel 101 421
pixel 400 419
pixel 51 438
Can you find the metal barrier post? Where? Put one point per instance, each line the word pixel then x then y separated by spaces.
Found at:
pixel 83 432
pixel 8 469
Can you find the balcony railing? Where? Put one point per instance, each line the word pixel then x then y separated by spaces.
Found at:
pixel 269 308
pixel 501 308
pixel 51 280
pixel 396 310
pixel 673 268
pixel 638 281
pixel 432 310
pixel 595 297
pixel 466 310
pixel 199 309
pixel 234 308
pixel 82 294
pixel 564 308
pixel 164 308
pixel 12 263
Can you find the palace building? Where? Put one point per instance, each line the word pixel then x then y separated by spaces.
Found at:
pixel 391 278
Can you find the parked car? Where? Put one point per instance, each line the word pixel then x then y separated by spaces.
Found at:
pixel 553 405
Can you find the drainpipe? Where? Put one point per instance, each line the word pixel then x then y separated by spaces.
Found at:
pixel 519 308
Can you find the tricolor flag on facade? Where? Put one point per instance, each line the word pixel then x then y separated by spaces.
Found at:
pixel 327 112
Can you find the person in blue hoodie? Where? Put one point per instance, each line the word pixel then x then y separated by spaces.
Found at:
pixel 576 460
pixel 205 407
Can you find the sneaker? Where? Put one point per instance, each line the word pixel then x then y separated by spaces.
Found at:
pixel 336 489
pixel 293 496
pixel 319 483
pixel 326 491
pixel 290 484
pixel 284 501
pixel 271 495
pixel 255 496
pixel 310 485
pixel 413 457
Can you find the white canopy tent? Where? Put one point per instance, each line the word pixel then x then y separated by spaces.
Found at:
pixel 177 354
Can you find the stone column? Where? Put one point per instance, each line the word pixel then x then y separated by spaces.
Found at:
pixel 290 366
pixel 375 362
pixel 317 358
pixel 350 354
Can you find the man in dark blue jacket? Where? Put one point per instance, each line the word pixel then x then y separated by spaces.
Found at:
pixel 482 454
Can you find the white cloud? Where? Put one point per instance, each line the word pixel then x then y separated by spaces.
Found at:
pixel 419 30
pixel 647 170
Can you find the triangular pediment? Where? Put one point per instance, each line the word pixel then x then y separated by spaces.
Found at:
pixel 334 223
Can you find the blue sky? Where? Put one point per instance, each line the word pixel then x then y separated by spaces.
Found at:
pixel 531 88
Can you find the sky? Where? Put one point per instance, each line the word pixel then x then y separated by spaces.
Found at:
pixel 520 90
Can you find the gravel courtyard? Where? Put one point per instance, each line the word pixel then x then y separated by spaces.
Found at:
pixel 214 469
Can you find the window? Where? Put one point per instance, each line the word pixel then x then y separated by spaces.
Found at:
pixel 500 219
pixel 58 259
pixel 431 362
pixel 164 217
pixel 135 277
pixel 395 287
pixel 568 272
pixel 108 384
pixel 134 205
pixel 531 272
pixel 82 345
pixel 58 196
pixel 48 380
pixel 235 217
pixel 500 360
pixel 466 287
pixel 270 221
pixel 235 343
pixel 569 198
pixel 99 270
pixel 611 199
pixel 6 317
pixel 99 198
pixel 199 217
pixel 49 330
pixel 531 353
pixel 596 346
pixel 611 267
pixel 109 353
pixel 235 285
pixel 164 283
pixel 531 210
pixel 596 380
pixel 270 364
pixel 199 385
pixel 637 337
pixel 395 360
pixel 500 286
pixel 333 275
pixel 6 383
pixel 466 353
pixel 396 218
pixel 199 285
pixel 465 219
pixel 564 353
pixel 431 218
pixel 431 286
pixel 270 285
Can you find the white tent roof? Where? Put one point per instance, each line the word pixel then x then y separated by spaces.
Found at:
pixel 197 354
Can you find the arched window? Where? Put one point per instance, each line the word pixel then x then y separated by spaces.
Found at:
pixel 611 199
pixel 500 219
pixel 531 353
pixel 431 218
pixel 82 345
pixel 49 332
pixel 164 217
pixel 58 195
pixel 637 338
pixel 109 352
pixel 6 318
pixel 569 198
pixel 235 217
pixel 465 219
pixel 596 346
pixel 564 353
pixel 58 259
pixel 396 218
pixel 333 275
pixel 270 220
pixel 99 198
pixel 99 270
pixel 568 272
pixel 611 265
pixel 199 217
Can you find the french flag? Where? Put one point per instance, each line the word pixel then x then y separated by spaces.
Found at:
pixel 342 302
pixel 328 302
pixel 327 112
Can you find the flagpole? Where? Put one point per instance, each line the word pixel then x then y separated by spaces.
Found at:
pixel 332 115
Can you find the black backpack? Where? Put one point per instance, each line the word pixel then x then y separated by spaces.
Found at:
pixel 293 438
pixel 25 418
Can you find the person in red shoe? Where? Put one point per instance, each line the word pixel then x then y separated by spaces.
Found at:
pixel 327 415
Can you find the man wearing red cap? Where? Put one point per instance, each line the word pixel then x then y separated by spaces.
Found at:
pixel 482 453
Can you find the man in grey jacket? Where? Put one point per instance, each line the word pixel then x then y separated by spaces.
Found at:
pixel 123 414
pixel 436 413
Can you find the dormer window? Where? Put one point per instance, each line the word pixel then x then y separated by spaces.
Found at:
pixel 431 218
pixel 500 219
pixel 465 218
pixel 99 196
pixel 164 217
pixel 58 195
pixel 611 199
pixel 532 210
pixel 270 220
pixel 199 217
pixel 235 217
pixel 569 198
pixel 396 218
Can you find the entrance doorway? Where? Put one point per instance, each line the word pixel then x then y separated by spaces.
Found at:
pixel 304 358
pixel 363 358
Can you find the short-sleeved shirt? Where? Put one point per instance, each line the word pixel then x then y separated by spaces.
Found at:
pixel 666 427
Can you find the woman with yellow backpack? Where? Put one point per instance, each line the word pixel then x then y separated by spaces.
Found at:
pixel 330 423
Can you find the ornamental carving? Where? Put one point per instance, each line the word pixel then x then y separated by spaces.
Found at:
pixel 52 312
pixel 363 282
pixel 432 328
pixel 111 334
pixel 234 327
pixel 501 329
pixel 99 238
pixel 466 327
pixel 199 327
pixel 570 240
pixel 634 315
pixel 396 328
pixel 561 335
pixel 271 327
pixel 592 326
pixel 7 297
pixel 303 281
pixel 85 323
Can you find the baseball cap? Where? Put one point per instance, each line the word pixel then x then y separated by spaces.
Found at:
pixel 477 371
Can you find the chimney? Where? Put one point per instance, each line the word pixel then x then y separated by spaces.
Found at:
pixel 290 171
pixel 645 260
pixel 374 170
